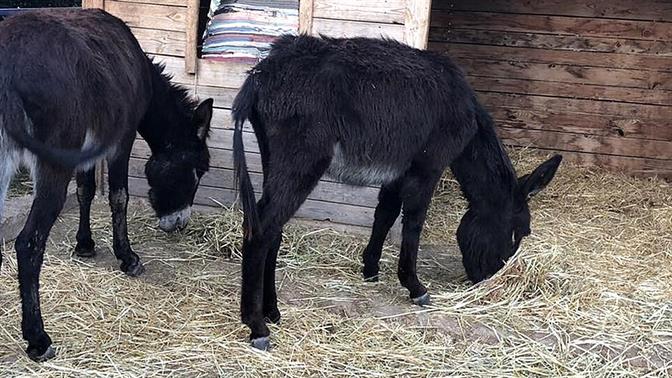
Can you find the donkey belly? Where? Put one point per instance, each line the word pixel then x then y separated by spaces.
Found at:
pixel 354 171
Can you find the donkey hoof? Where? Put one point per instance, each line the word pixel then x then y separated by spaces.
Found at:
pixel 36 356
pixel 422 300
pixel 273 317
pixel 261 343
pixel 86 250
pixel 134 269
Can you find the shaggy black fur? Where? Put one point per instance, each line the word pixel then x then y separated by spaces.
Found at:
pixel 371 111
pixel 75 86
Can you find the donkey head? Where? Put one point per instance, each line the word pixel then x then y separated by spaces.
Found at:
pixel 174 174
pixel 488 239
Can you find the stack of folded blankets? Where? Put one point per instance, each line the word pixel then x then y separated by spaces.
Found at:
pixel 242 31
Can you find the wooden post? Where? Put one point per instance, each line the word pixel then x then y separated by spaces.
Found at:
pixel 418 13
pixel 93 4
pixel 190 52
pixel 306 16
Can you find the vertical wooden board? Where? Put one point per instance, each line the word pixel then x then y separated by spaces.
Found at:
pixel 383 11
pixel 93 4
pixel 417 22
pixel 347 29
pixel 306 9
pixel 190 50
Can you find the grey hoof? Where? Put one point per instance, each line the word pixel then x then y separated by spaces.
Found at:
pixel 422 300
pixel 261 343
pixel 48 354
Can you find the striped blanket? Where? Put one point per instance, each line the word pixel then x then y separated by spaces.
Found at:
pixel 242 30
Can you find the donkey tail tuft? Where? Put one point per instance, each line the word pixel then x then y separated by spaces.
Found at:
pixel 242 108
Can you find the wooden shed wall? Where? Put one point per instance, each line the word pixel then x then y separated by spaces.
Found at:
pixel 591 78
pixel 164 29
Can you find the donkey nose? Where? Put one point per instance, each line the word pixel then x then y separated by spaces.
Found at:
pixel 175 221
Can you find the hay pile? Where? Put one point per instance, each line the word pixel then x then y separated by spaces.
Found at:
pixel 590 293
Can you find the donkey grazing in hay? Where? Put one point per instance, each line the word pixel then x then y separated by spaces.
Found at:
pixel 370 111
pixel 75 86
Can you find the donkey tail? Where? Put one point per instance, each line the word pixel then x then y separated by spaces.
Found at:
pixel 242 107
pixel 16 124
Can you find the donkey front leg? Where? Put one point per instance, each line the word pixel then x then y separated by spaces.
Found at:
pixel 86 191
pixel 387 211
pixel 416 195
pixel 118 183
pixel 50 194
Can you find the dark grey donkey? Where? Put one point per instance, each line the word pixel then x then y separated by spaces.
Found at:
pixel 75 86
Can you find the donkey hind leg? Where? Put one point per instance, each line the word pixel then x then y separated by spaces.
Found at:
pixel 416 192
pixel 50 193
pixel 289 184
pixel 270 310
pixel 86 191
pixel 118 197
pixel 387 211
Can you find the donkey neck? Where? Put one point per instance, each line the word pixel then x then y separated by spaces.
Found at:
pixel 485 173
pixel 167 124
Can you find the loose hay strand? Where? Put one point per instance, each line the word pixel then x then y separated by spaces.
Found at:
pixel 588 294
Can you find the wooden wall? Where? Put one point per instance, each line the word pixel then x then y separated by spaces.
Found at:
pixel 165 29
pixel 591 78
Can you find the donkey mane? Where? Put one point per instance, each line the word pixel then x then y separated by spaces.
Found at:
pixel 176 91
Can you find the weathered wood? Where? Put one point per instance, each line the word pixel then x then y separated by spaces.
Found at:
pixel 656 10
pixel 178 3
pixel 311 209
pixel 223 96
pixel 568 74
pixel 551 24
pixel 383 11
pixel 306 10
pixel 324 191
pixel 582 91
pixel 161 42
pixel 191 53
pixel 100 4
pixel 339 28
pixel 652 149
pixel 416 22
pixel 548 41
pixel 175 68
pixel 149 16
pixel 217 74
pixel 548 56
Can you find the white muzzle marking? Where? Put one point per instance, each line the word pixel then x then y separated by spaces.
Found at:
pixel 175 221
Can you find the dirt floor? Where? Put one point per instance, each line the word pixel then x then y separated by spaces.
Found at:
pixel 589 294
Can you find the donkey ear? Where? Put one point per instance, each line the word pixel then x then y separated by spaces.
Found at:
pixel 202 118
pixel 535 182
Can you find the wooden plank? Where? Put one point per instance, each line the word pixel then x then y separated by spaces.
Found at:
pixel 175 67
pixel 306 10
pixel 656 10
pixel 581 91
pixel 554 42
pixel 217 74
pixel 622 110
pixel 177 3
pixel 416 22
pixel 311 209
pixel 383 11
pixel 546 56
pixel 659 150
pixel 569 74
pixel 149 16
pixel 550 24
pixel 621 164
pixel 100 4
pixel 192 38
pixel 348 29
pixel 161 42
pixel 223 96
pixel 324 191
